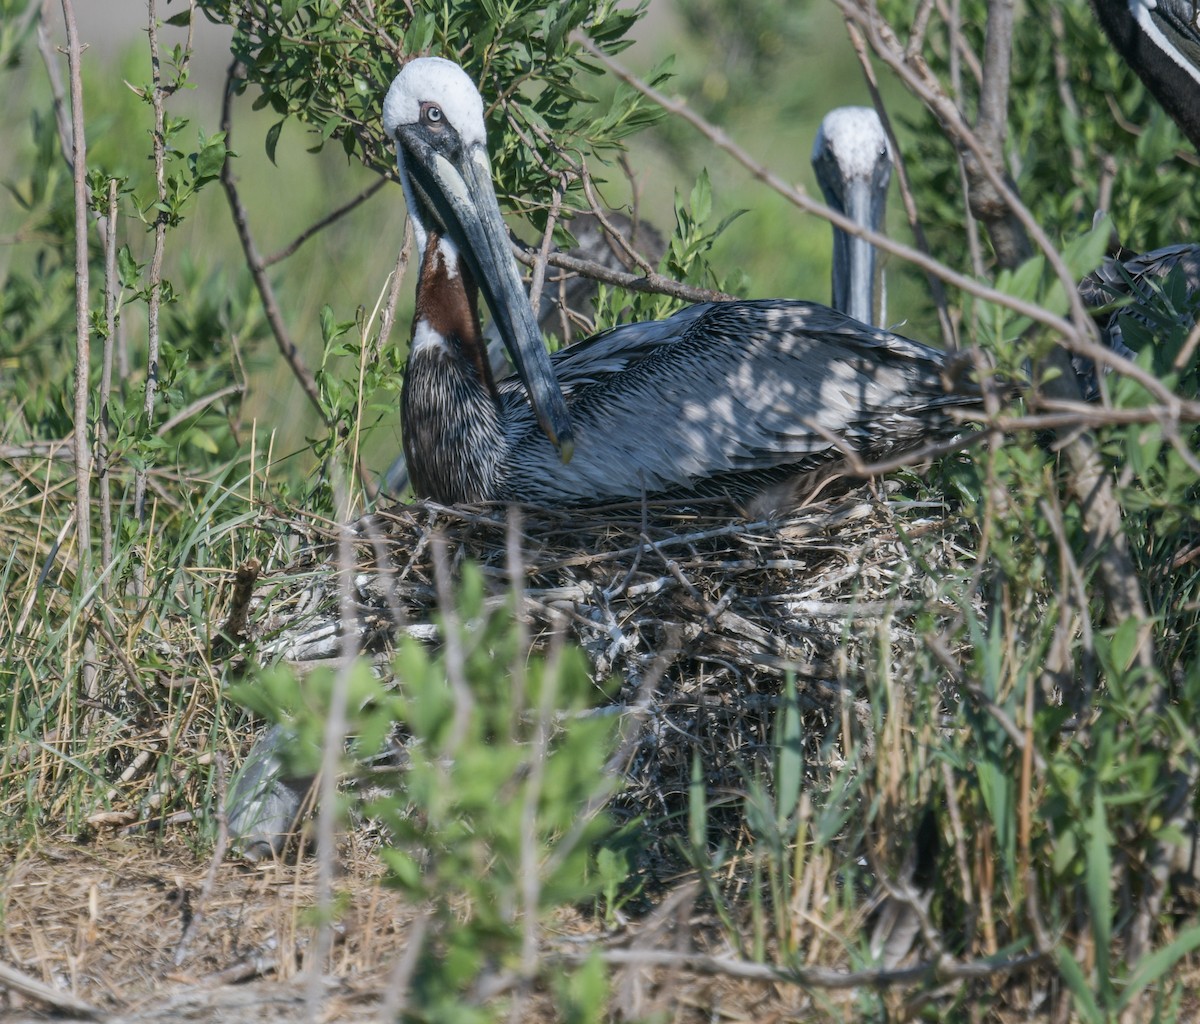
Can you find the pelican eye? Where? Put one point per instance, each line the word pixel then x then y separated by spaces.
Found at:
pixel 431 113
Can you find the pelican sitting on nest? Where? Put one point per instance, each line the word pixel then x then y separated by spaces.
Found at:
pixel 728 398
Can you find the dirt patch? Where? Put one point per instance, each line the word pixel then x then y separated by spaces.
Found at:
pixel 106 924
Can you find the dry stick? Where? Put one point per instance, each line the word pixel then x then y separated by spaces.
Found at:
pixel 946 969
pixel 388 319
pixel 1010 231
pixel 598 211
pixel 396 999
pixel 967 895
pixel 331 756
pixel 539 266
pixel 1062 76
pixel 62 119
pixel 83 353
pixel 154 305
pixel 198 405
pixel 254 261
pixel 110 331
pixel 455 656
pixel 83 457
pixel 64 1002
pixel 959 51
pixel 531 879
pixel 936 288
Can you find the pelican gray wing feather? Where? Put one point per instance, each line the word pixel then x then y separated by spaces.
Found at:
pixel 723 398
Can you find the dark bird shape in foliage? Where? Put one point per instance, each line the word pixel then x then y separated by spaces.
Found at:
pixel 721 399
pixel 853 164
pixel 1126 285
pixel 1160 40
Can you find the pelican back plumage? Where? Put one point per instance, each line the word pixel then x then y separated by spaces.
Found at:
pixel 726 399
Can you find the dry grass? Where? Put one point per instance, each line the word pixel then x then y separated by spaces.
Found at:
pixel 693 620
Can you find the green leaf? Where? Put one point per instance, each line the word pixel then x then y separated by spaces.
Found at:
pixel 697 806
pixel 789 775
pixel 1081 988
pixel 272 139
pixel 701 198
pixel 1123 647
pixel 127 267
pixel 1153 967
pixel 1098 883
pixel 211 157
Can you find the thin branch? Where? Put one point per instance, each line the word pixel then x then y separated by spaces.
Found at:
pixel 655 283
pixel 62 116
pixel 387 319
pixel 539 265
pixel 110 334
pixel 936 288
pixel 198 405
pixel 258 272
pixel 154 303
pixel 63 1002
pixel 83 456
pixel 326 221
pixel 946 969
pixel 331 754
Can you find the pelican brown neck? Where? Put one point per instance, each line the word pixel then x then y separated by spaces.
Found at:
pixel 447 310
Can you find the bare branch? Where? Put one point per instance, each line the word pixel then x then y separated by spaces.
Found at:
pixel 110 337
pixel 941 304
pixel 258 271
pixel 83 455
pixel 154 303
pixel 328 219
pixel 946 969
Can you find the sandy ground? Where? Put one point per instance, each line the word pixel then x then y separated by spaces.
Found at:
pixel 127 927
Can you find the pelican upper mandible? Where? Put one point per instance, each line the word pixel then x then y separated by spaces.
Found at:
pixel 853 164
pixel 729 398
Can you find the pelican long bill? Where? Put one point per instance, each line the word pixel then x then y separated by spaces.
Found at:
pixel 460 192
pixel 854 257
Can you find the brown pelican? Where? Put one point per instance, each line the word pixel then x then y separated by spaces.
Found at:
pixel 721 399
pixel 853 163
pixel 1160 40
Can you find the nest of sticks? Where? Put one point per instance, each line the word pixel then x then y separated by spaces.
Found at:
pixel 700 614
